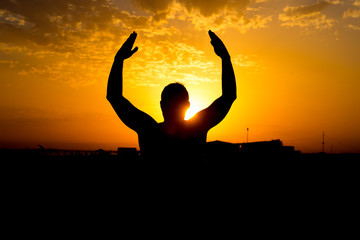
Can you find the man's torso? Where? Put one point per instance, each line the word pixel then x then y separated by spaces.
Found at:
pixel 183 143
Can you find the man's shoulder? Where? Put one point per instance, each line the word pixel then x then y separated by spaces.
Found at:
pixel 196 124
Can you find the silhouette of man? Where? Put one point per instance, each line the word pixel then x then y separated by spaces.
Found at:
pixel 174 140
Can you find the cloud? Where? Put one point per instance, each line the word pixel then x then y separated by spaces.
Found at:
pixel 335 2
pixel 226 20
pixel 14 19
pixel 354 27
pixel 169 61
pixel 88 64
pixel 73 41
pixel 52 21
pixel 353 13
pixel 305 10
pixel 9 63
pixel 307 16
pixel 58 24
pixel 243 61
pixel 153 6
pixel 202 13
pixel 205 7
pixel 155 25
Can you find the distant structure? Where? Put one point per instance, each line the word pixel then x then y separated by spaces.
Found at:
pixel 247 135
pixel 269 147
pixel 43 153
pixel 218 150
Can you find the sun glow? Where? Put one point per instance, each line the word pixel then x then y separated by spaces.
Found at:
pixel 196 105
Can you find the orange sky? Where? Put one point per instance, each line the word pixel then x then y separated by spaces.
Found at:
pixel 296 65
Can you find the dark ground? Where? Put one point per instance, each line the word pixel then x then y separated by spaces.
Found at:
pixel 258 193
pixel 27 163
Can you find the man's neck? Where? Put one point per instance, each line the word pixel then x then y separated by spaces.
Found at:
pixel 173 123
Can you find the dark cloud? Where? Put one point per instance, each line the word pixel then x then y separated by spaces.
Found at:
pixel 204 13
pixel 307 16
pixel 205 7
pixel 153 5
pixel 52 21
pixel 208 8
pixel 305 10
pixel 58 24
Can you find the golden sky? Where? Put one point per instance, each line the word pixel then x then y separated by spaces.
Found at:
pixel 297 66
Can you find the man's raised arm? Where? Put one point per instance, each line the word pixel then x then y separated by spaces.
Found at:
pixel 115 83
pixel 216 112
pixel 228 77
pixel 128 113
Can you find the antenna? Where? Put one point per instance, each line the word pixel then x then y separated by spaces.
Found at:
pixel 247 135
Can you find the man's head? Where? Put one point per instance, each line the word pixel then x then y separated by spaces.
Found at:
pixel 174 102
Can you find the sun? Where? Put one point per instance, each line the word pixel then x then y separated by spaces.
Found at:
pixel 196 105
pixel 190 113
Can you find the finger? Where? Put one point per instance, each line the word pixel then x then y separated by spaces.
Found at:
pixel 215 39
pixel 212 35
pixel 133 36
pixel 134 51
pixel 131 39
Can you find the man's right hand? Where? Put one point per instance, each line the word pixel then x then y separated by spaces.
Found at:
pixel 125 50
pixel 218 45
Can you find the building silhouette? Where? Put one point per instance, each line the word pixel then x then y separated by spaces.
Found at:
pixel 225 151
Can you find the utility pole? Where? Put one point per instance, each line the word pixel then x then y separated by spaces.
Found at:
pixel 247 135
pixel 323 142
